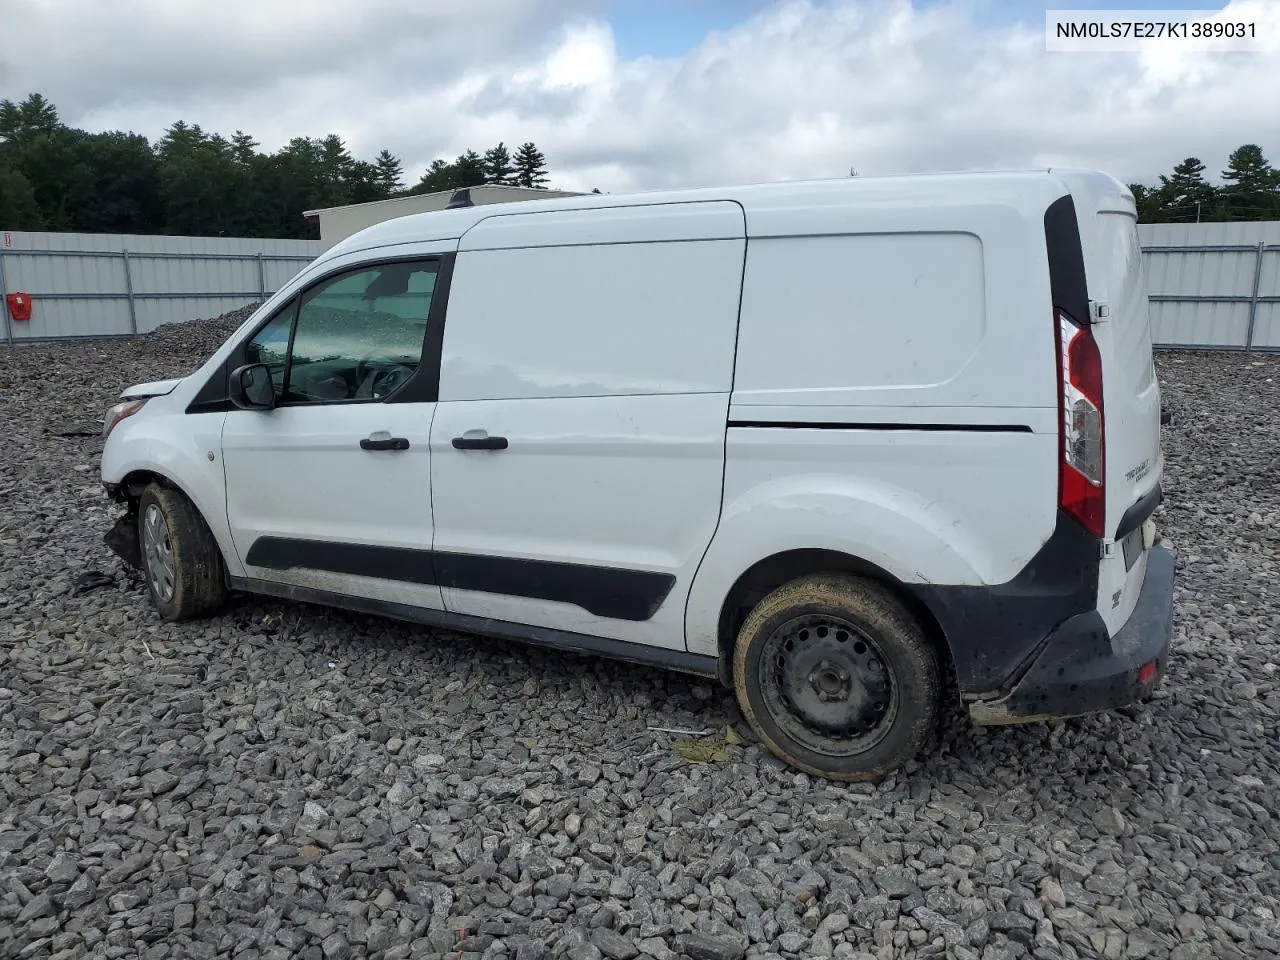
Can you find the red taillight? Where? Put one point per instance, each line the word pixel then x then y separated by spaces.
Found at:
pixel 1082 465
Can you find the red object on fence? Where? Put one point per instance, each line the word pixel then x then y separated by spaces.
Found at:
pixel 19 305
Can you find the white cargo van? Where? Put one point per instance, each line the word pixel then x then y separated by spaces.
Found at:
pixel 828 442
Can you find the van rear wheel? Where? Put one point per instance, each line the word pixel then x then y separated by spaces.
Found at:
pixel 837 678
pixel 181 561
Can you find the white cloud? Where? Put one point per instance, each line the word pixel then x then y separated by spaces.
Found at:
pixel 800 90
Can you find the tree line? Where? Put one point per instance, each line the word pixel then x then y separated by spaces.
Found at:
pixel 195 183
pixel 1250 190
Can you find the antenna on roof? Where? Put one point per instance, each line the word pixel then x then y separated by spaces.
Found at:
pixel 460 198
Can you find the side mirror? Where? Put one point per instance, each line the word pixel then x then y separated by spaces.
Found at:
pixel 251 387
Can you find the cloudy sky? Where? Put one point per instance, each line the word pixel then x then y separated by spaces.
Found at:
pixel 645 94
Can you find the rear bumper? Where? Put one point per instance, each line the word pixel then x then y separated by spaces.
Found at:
pixel 1081 669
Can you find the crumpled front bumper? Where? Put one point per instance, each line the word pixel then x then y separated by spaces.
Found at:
pixel 122 538
pixel 1081 669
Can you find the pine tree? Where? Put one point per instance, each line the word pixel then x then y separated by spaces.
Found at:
pixel 1147 202
pixel 469 170
pixel 1185 196
pixel 531 167
pixel 1248 171
pixel 1252 189
pixel 497 165
pixel 21 121
pixel 389 171
pixel 243 147
pixel 365 183
pixel 438 177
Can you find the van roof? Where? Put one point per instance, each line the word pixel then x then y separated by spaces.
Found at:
pixel 914 189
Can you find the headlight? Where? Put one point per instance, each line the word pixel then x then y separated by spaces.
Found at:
pixel 125 408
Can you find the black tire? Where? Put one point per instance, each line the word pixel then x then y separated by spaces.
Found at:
pixel 194 583
pixel 855 694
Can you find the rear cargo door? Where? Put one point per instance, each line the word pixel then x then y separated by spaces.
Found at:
pixel 1131 394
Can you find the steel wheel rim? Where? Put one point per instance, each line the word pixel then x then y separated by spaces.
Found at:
pixel 158 551
pixel 828 685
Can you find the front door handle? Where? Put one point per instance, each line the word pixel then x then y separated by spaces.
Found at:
pixel 384 443
pixel 480 443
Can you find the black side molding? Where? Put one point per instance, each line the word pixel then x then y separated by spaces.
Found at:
pixel 1135 516
pixel 828 425
pixel 679 660
pixel 605 591
pixel 611 592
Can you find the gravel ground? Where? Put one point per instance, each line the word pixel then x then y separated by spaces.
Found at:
pixel 289 781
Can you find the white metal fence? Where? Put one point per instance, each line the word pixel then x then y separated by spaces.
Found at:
pixel 100 285
pixel 1212 285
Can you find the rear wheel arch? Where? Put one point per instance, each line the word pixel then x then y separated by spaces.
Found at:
pixel 837 677
pixel 766 575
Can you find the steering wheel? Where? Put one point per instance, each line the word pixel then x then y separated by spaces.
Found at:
pixel 388 374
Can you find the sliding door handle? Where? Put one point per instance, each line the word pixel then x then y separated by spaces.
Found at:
pixel 384 443
pixel 480 443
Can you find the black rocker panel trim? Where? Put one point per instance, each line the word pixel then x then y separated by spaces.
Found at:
pixel 422 387
pixel 611 592
pixel 385 563
pixel 679 660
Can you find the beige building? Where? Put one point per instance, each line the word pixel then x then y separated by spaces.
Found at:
pixel 338 223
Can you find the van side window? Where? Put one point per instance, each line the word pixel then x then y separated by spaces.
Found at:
pixel 357 336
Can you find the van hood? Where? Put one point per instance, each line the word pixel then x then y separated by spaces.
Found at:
pixel 156 388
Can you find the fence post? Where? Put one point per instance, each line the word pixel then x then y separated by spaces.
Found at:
pixel 128 288
pixel 1253 301
pixel 4 304
pixel 262 277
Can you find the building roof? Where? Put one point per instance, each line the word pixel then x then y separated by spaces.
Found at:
pixel 417 197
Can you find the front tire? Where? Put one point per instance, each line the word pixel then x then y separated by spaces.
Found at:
pixel 837 678
pixel 181 561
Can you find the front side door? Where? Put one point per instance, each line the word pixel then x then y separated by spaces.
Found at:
pixel 330 490
pixel 578 445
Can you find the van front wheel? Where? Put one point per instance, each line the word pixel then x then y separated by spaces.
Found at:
pixel 837 678
pixel 181 561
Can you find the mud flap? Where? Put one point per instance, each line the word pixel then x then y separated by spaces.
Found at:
pixel 122 538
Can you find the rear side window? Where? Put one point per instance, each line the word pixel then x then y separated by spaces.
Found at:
pixel 357 336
